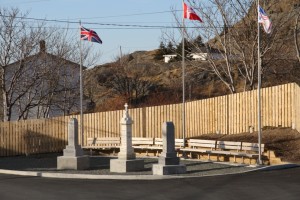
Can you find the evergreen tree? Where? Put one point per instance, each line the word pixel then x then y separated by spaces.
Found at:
pixel 162 50
pixel 170 48
pixel 198 42
pixel 187 49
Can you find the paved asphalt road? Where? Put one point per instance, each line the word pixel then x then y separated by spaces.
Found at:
pixel 265 185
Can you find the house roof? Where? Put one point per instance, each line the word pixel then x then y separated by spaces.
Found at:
pixel 44 54
pixel 170 55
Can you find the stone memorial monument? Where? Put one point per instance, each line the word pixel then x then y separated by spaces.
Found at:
pixel 73 157
pixel 168 162
pixel 126 161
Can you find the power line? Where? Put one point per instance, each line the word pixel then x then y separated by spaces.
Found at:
pixel 36 1
pixel 128 15
pixel 127 26
pixel 146 13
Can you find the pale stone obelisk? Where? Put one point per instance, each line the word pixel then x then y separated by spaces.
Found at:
pixel 126 161
pixel 168 162
pixel 73 157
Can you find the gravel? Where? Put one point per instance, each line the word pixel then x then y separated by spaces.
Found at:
pixel 100 165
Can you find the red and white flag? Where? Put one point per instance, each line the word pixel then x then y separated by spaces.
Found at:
pixel 189 13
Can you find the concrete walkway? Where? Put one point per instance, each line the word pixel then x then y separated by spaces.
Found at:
pixel 260 185
pixel 44 165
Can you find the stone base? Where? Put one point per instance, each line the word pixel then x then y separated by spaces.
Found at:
pixel 168 161
pixel 159 169
pixel 73 151
pixel 122 166
pixel 77 163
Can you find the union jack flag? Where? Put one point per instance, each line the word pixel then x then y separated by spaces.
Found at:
pixel 90 35
pixel 264 20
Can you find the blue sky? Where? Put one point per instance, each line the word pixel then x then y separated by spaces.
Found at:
pixel 108 11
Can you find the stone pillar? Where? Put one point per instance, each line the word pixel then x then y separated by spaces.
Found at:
pixel 126 161
pixel 126 149
pixel 168 162
pixel 73 157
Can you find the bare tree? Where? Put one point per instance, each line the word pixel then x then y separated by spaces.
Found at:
pixel 35 79
pixel 296 33
pixel 230 30
pixel 245 43
pixel 18 41
pixel 218 16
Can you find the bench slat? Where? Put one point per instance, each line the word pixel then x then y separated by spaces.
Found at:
pixel 158 141
pixel 201 145
pixel 246 146
pixel 142 141
pixel 202 141
pixel 195 150
pixel 229 145
pixel 179 142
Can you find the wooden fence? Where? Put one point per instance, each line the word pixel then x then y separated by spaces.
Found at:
pixel 228 114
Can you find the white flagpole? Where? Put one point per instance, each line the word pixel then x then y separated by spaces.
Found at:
pixel 81 89
pixel 258 87
pixel 183 83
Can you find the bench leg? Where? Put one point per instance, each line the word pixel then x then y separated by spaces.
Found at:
pixel 243 160
pixel 208 157
pixel 234 159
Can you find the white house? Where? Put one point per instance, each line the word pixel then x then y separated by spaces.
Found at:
pixel 40 86
pixel 168 58
pixel 206 56
pixel 206 53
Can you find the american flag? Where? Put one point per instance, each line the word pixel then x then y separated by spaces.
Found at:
pixel 264 20
pixel 90 35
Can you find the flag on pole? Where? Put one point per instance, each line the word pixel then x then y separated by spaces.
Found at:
pixel 189 13
pixel 264 20
pixel 90 35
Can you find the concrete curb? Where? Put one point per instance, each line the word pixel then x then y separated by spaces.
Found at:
pixel 276 167
pixel 134 177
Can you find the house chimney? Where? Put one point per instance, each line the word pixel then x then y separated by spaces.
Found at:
pixel 42 46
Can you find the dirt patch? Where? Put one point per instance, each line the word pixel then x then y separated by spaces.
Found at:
pixel 284 141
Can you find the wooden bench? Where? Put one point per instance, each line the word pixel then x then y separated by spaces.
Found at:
pixel 159 142
pixel 227 148
pixel 103 143
pixel 200 146
pixel 140 143
pixel 251 150
pixel 239 149
pixel 153 144
pixel 209 147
